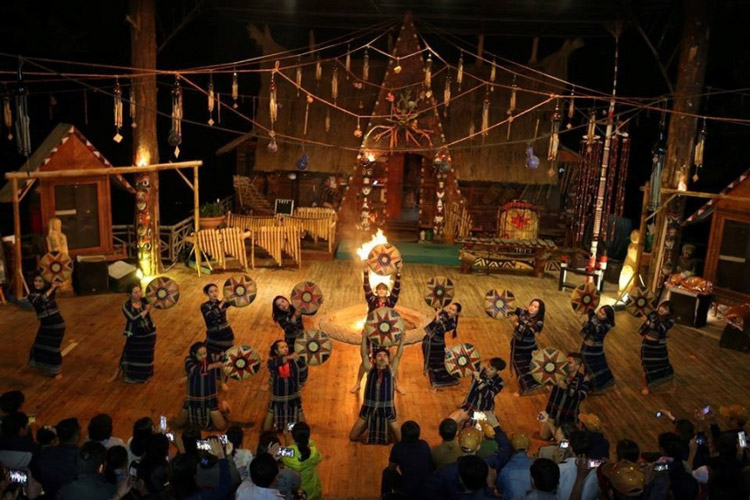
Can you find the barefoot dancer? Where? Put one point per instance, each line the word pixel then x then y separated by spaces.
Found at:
pixel 593 332
pixel 201 406
pixel 529 322
pixel 381 298
pixel 566 397
pixel 654 356
pixel 288 376
pixel 45 352
pixel 219 335
pixel 433 345
pixel 485 385
pixel 137 360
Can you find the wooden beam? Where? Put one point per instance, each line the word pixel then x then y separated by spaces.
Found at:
pixel 700 194
pixel 80 172
pixel 187 181
pixel 17 233
pixel 196 219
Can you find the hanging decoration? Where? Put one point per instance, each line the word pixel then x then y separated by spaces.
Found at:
pixel 554 138
pixel 298 77
pixel 303 161
pixel 132 107
pixel 308 101
pixel 358 130
pixel 493 75
pixel 348 60
pixel 318 71
pixel 571 109
pixel 397 67
pixel 447 96
pixel 439 219
pixel 335 85
pixel 8 115
pixel 175 134
pixel 211 100
pixel 591 136
pixel 485 113
pixel 588 176
pixel 366 66
pixel 328 120
pixel 658 156
pixel 23 135
pixel 273 108
pixel 428 73
pixel 235 89
pixel 700 145
pixel 117 111
pixel 460 72
pixel 532 161
pixel 273 146
pixel 404 119
pixel 511 107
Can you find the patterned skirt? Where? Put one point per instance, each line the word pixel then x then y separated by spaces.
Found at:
pixel 597 367
pixel 45 352
pixel 520 356
pixel 137 359
pixel 218 341
pixel 285 410
pixel 655 362
pixel 433 350
pixel 377 422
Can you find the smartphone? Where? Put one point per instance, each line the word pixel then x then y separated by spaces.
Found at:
pixel 541 417
pixel 743 439
pixel 163 423
pixel 223 439
pixel 170 436
pixel 706 409
pixel 32 418
pixel 203 445
pixel 18 477
pixel 660 467
pixel 133 471
pixel 659 414
pixel 594 463
pixel 290 426
pixel 564 444
pixel 286 452
pixel 700 438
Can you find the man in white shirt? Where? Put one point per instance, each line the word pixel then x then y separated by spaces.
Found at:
pixel 580 444
pixel 262 482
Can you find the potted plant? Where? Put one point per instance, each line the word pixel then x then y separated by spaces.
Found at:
pixel 211 215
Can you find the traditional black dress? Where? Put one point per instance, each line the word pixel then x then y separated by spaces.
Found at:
pixel 522 345
pixel 219 335
pixel 378 408
pixel 654 355
pixel 292 329
pixel 287 380
pixel 592 351
pixel 482 393
pixel 375 302
pixel 137 360
pixel 201 397
pixel 45 352
pixel 433 349
pixel 563 404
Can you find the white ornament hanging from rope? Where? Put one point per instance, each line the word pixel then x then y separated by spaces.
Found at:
pixel 211 100
pixel 318 71
pixel 175 134
pixel 513 91
pixel 447 95
pixel 700 145
pixel 335 84
pixel 235 89
pixel 428 72
pixel 460 74
pixel 366 66
pixel 273 108
pixel 348 60
pixel 486 113
pixel 298 78
pixel 117 92
pixel 132 107
pixel 328 120
pixel 493 75
pixel 308 101
pixel 571 109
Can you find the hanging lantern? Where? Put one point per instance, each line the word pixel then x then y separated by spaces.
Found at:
pixel 348 60
pixel 460 74
pixel 132 108
pixel 235 89
pixel 335 84
pixel 8 116
pixel 486 112
pixel 303 161
pixel 318 71
pixel 554 139
pixel 23 135
pixel 447 95
pixel 298 78
pixel 513 91
pixel 273 108
pixel 211 100
pixel 493 75
pixel 175 134
pixel 532 161
pixel 571 109
pixel 366 67
pixel 397 67
pixel 117 111
pixel 272 145
pixel 699 147
pixel 358 130
pixel 328 120
pixel 428 72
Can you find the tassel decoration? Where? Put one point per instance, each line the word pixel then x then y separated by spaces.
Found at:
pixel 348 60
pixel 211 101
pixel 428 72
pixel 272 104
pixel 8 116
pixel 447 95
pixel 591 132
pixel 132 107
pixel 493 75
pixel 23 135
pixel 366 67
pixel 513 91
pixel 335 84
pixel 235 89
pixel 571 109
pixel 699 147
pixel 460 74
pixel 117 111
pixel 328 120
pixel 309 100
pixel 486 113
pixel 299 74
pixel 554 139
pixel 318 71
pixel 175 134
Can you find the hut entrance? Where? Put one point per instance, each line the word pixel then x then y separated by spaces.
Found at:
pixel 402 196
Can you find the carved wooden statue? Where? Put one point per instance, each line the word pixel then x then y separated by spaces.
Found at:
pixel 58 242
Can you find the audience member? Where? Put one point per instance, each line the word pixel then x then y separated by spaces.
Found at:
pixel 305 460
pixel 670 476
pixel 90 483
pixel 514 480
pixel 448 450
pixel 116 464
pixel 592 426
pixel 208 473
pixel 263 474
pixel 723 472
pixel 553 451
pixel 410 463
pixel 581 447
pixel 17 447
pixel 288 482
pixel 622 478
pixel 142 430
pixel 184 469
pixel 472 474
pixel 240 456
pixel 736 416
pixel 11 402
pixel 56 466
pixel 488 445
pixel 46 436
pixel 545 476
pixel 100 431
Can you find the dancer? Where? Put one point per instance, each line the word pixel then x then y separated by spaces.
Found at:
pixel 137 360
pixel 529 322
pixel 381 298
pixel 593 332
pixel 566 397
pixel 485 385
pixel 378 413
pixel 45 352
pixel 219 335
pixel 201 406
pixel 288 318
pixel 288 376
pixel 433 345
pixel 654 355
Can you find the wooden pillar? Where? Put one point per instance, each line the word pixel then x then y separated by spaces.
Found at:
pixel 196 219
pixel 17 234
pixel 691 74
pixel 142 18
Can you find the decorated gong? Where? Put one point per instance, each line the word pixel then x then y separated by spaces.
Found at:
pixel 462 359
pixel 549 366
pixel 384 259
pixel 585 298
pixel 306 297
pixel 241 362
pixel 240 290
pixel 384 327
pixel 56 266
pixel 314 347
pixel 641 302
pixel 498 303
pixel 162 292
pixel 439 292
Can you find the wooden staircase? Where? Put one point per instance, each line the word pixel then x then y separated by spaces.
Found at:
pixel 249 199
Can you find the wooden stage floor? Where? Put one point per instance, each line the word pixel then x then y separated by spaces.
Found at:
pixel 705 373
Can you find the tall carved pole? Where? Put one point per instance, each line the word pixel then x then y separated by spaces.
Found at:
pixel 682 129
pixel 142 20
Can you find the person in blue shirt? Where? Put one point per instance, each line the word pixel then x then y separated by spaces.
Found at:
pixel 514 479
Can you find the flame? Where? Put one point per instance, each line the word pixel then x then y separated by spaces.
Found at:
pixel 364 252
pixel 142 157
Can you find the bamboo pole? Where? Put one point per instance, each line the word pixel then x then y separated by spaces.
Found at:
pixel 700 194
pixel 79 172
pixel 17 233
pixel 196 218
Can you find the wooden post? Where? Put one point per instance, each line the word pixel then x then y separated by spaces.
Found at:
pixel 196 217
pixel 17 233
pixel 642 230
pixel 691 74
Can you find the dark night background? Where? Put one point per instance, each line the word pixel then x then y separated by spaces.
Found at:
pixel 96 32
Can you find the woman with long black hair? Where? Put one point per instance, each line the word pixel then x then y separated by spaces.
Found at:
pixel 201 406
pixel 219 335
pixel 137 360
pixel 288 375
pixel 305 459
pixel 288 318
pixel 528 323
pixel 592 350
pixel 45 353
pixel 433 345
pixel 654 355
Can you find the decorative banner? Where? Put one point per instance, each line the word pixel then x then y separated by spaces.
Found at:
pixel 306 297
pixel 440 292
pixel 549 366
pixel 56 266
pixel 162 292
pixel 497 303
pixel 240 290
pixel 585 298
pixel 384 327
pixel 384 259
pixel 641 302
pixel 462 359
pixel 314 347
pixel 241 362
